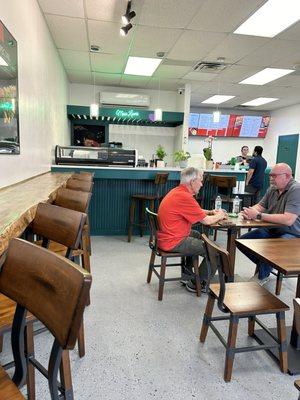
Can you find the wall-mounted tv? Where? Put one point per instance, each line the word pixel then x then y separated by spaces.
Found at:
pixel 243 126
pixel 9 116
pixel 88 135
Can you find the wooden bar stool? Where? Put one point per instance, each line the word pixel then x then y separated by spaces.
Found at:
pixel 81 185
pixel 240 300
pixel 84 176
pixel 53 289
pixel 156 251
pixel 140 201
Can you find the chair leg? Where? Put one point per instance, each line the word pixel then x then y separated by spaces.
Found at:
pixel 215 234
pixel 251 324
pixel 150 269
pixel 278 283
pixel 131 219
pixel 30 368
pixel 66 376
pixel 142 211
pixel 85 260
pixel 233 327
pixel 207 317
pixel 281 331
pixel 88 233
pixel 162 278
pixel 197 276
pixel 1 343
pixel 80 339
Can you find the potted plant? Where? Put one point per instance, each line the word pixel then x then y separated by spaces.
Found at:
pixel 207 151
pixel 160 154
pixel 182 156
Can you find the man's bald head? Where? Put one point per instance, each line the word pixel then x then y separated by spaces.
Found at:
pixel 280 175
pixel 282 168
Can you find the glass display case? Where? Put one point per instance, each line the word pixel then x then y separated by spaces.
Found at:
pixel 101 156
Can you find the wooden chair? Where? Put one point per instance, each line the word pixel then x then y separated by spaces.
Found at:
pixel 53 289
pixel 156 251
pixel 223 186
pixel 240 300
pixel 140 200
pixel 82 186
pixel 84 176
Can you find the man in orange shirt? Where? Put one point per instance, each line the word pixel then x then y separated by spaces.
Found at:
pixel 177 213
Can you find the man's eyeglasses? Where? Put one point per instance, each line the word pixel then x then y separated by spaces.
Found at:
pixel 274 175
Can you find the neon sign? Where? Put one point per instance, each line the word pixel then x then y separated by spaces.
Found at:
pixel 127 114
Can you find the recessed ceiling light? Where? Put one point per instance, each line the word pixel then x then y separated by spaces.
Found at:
pixel 260 101
pixel 3 63
pixel 266 75
pixel 270 19
pixel 141 66
pixel 217 99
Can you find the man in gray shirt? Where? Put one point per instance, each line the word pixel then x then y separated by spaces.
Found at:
pixel 280 205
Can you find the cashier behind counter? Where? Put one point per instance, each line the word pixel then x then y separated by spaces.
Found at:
pixel 244 158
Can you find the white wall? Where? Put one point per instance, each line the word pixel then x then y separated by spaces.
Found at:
pixel 43 92
pixel 285 121
pixel 225 148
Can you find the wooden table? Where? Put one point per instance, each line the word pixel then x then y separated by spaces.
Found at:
pixel 283 255
pixel 18 203
pixel 232 231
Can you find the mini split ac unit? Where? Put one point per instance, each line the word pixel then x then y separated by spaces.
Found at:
pixel 124 99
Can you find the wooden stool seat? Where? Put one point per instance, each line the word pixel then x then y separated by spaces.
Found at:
pixel 248 297
pixel 8 390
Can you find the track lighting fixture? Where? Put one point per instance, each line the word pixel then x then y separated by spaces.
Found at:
pixel 125 29
pixel 126 19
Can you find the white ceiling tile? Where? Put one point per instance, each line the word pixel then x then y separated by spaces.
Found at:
pixel 68 33
pixel 199 76
pixel 169 13
pixel 194 45
pixel 108 63
pixel 134 81
pixel 270 52
pixel 76 60
pixel 79 76
pixel 236 73
pixel 171 71
pixel 147 41
pixel 292 33
pixel 166 84
pixel 106 10
pixel 71 8
pixel 292 80
pixel 223 15
pixel 107 36
pixel 235 47
pixel 107 79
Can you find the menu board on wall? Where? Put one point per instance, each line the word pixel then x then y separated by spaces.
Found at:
pixel 229 125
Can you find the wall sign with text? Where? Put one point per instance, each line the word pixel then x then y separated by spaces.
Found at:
pixel 232 125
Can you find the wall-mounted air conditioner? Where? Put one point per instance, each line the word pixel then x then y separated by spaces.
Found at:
pixel 124 99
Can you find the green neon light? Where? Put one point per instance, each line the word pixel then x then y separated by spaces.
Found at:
pixel 6 106
pixel 127 114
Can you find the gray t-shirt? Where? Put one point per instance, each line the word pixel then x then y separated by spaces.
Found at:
pixel 288 201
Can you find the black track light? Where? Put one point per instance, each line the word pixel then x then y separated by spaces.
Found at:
pixel 128 14
pixel 124 30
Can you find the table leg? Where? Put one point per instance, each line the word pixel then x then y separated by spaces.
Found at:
pixel 231 248
pixel 295 338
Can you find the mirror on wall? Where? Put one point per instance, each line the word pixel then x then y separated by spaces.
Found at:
pixel 9 116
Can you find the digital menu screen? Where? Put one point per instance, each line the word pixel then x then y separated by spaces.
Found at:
pixel 232 125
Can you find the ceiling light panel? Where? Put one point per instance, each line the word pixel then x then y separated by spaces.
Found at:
pixel 217 99
pixel 260 101
pixel 270 19
pixel 266 75
pixel 141 66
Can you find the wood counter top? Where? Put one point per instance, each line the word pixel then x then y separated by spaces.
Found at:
pixel 18 203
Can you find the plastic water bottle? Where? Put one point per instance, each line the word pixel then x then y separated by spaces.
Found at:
pixel 236 205
pixel 218 203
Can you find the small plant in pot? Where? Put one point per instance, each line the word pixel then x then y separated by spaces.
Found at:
pixel 181 157
pixel 207 151
pixel 160 154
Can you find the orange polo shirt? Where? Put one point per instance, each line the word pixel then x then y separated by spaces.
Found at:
pixel 176 214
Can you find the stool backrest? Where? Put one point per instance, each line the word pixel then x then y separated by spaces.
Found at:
pixel 154 227
pixel 59 224
pixel 297 315
pixel 160 181
pixel 73 199
pixel 76 184
pixel 84 176
pixel 224 182
pixel 53 289
pixel 218 258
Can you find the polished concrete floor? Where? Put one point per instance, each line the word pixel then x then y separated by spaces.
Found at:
pixel 139 348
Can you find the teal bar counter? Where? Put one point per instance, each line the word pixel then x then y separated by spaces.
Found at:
pixel 113 186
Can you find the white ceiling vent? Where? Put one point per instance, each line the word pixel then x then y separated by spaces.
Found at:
pixel 209 67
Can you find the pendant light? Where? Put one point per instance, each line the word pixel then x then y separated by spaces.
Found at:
pixel 158 110
pixel 94 107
